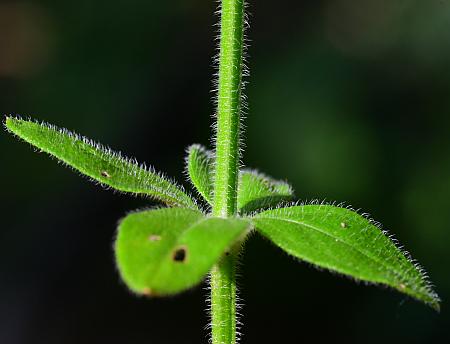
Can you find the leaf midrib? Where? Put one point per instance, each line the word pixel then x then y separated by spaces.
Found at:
pixel 101 154
pixel 363 252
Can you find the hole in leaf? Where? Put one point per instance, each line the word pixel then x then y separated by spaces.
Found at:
pixel 179 255
pixel 106 174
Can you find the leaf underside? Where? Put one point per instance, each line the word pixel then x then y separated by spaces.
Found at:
pixel 200 170
pixel 340 240
pixel 99 163
pixel 165 251
pixel 255 190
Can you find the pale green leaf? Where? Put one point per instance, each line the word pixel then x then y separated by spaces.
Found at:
pixel 165 251
pixel 199 166
pixel 258 191
pixel 340 240
pixel 99 163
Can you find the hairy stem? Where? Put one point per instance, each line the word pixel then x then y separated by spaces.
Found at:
pixel 223 275
pixel 228 107
pixel 223 300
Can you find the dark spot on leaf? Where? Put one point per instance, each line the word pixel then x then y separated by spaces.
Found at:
pixel 154 237
pixel 105 174
pixel 179 255
pixel 227 253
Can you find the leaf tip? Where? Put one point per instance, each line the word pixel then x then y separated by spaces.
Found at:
pixel 7 121
pixel 11 123
pixel 435 302
pixel 436 306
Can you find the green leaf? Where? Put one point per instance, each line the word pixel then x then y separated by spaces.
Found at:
pixel 340 240
pixel 257 191
pixel 165 251
pixel 199 166
pixel 99 163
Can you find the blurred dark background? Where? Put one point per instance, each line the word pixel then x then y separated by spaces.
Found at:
pixel 349 100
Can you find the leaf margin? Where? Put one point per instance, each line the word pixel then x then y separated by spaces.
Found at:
pixel 206 158
pixel 148 291
pixel 177 197
pixel 274 198
pixel 434 299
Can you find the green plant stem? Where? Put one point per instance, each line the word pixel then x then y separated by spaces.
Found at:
pixel 223 275
pixel 228 107
pixel 223 300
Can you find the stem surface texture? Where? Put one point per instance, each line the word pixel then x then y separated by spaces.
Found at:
pixel 228 107
pixel 223 275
